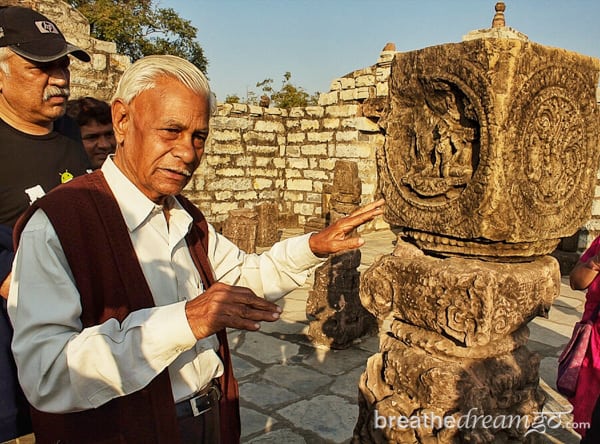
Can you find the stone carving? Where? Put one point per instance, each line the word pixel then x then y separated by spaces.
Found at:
pixel 333 305
pixel 240 228
pixel 490 158
pixel 266 230
pixel 493 140
pixel 469 301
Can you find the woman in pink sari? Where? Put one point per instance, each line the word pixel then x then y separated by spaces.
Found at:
pixel 585 276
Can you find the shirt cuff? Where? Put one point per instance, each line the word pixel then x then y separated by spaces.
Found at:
pixel 169 323
pixel 300 253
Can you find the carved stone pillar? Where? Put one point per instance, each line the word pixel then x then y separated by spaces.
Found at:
pixel 333 305
pixel 266 231
pixel 240 228
pixel 490 158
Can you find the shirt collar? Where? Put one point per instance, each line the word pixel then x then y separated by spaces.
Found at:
pixel 134 205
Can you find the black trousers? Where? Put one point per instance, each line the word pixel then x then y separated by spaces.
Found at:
pixel 204 428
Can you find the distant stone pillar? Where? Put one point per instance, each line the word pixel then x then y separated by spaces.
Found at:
pixel 240 228
pixel 491 157
pixel 267 231
pixel 333 305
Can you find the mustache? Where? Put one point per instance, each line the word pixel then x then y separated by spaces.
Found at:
pixel 55 91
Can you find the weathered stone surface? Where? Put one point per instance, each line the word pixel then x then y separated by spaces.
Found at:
pixel 333 305
pixel 404 381
pixel 266 231
pixel 240 228
pixel 492 145
pixel 471 301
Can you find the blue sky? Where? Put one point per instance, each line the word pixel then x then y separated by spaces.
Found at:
pixel 247 41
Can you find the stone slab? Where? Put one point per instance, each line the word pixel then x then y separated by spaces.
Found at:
pixel 278 437
pixel 267 349
pixel 299 379
pixel 253 422
pixel 331 417
pixel 266 395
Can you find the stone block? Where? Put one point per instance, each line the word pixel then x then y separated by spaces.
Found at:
pixel 260 183
pixel 99 62
pixel 494 140
pixel 269 126
pixel 255 110
pixel 314 150
pixel 226 136
pixel 346 136
pixel 230 172
pixel 307 125
pixel 299 185
pixel 315 111
pixel 341 111
pixel 348 82
pixel 366 80
pixel 324 136
pixel 356 150
pixel 329 98
pixel 296 137
pixel 296 112
pixel 331 123
pixel 471 301
pixel 348 95
pixel 299 164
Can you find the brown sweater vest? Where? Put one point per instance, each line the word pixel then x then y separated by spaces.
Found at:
pixel 111 284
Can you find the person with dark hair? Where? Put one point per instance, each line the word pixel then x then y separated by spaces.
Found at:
pixel 40 148
pixel 124 338
pixel 95 123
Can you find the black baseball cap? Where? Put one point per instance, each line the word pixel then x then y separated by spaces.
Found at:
pixel 34 37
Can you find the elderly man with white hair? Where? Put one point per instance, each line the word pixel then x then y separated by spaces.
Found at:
pixel 120 329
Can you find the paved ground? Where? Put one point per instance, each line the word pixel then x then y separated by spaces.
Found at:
pixel 293 393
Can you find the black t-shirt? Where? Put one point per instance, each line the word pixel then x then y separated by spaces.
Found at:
pixel 31 166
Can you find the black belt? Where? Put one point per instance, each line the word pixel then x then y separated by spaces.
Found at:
pixel 205 400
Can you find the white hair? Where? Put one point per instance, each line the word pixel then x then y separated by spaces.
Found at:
pixel 142 75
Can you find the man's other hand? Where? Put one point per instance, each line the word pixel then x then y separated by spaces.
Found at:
pixel 226 306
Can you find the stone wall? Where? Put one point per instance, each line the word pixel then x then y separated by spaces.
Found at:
pixel 97 78
pixel 257 154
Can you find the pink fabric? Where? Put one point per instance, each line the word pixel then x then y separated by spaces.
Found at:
pixel 588 385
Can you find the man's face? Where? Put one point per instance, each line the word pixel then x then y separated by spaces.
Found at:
pixel 161 136
pixel 98 141
pixel 34 93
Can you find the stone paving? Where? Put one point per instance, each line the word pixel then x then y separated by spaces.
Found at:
pixel 293 392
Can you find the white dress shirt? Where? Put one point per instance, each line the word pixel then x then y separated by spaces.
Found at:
pixel 64 367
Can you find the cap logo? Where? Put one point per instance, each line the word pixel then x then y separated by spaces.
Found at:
pixel 1 32
pixel 46 27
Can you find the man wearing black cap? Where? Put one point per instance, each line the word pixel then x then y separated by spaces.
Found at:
pixel 39 149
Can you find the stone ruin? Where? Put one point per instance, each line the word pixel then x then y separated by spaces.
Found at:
pixel 333 307
pixel 490 158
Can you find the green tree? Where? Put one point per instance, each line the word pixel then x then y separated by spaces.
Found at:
pixel 232 98
pixel 140 28
pixel 287 97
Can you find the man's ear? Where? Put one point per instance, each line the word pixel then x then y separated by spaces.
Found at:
pixel 120 120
